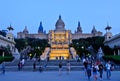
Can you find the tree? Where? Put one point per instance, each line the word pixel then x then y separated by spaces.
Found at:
pixel 82 44
pixel 107 50
pixel 38 45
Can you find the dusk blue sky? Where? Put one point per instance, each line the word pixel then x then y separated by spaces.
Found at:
pixel 21 13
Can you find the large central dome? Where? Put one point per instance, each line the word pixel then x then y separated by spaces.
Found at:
pixel 59 24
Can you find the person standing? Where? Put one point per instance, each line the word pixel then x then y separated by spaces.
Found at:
pixel 89 67
pixel 68 67
pixel 60 68
pixel 95 71
pixel 45 65
pixel 3 68
pixel 40 68
pixel 19 66
pixel 108 69
pixel 34 66
pixel 23 62
pixel 85 62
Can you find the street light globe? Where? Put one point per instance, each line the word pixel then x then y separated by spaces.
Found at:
pixel 82 47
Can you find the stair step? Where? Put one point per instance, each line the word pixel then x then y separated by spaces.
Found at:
pixel 52 65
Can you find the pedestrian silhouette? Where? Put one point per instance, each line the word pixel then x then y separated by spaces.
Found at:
pixel 34 66
pixel 3 68
pixel 60 68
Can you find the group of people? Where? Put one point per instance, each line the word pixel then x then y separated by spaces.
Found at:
pixel 68 67
pixel 97 67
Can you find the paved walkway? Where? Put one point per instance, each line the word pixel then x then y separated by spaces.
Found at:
pixel 52 76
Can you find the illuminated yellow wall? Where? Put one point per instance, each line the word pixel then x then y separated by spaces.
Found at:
pixel 59 41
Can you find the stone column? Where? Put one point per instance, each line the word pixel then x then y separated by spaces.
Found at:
pixel 3 54
pixel 118 51
pixel 114 53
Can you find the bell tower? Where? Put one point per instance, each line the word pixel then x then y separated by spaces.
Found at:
pixel 108 34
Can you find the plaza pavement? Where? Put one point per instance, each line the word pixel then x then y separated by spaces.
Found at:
pixel 52 76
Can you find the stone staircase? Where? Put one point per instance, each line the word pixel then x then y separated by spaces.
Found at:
pixel 52 65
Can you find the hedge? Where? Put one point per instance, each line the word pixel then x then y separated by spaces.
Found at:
pixel 115 58
pixel 6 58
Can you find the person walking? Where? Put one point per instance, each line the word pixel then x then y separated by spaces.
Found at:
pixel 100 66
pixel 68 67
pixel 60 68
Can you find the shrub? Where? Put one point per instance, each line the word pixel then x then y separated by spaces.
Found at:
pixel 115 59
pixel 6 58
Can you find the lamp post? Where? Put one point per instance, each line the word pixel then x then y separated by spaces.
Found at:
pixel 77 44
pixel 82 50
